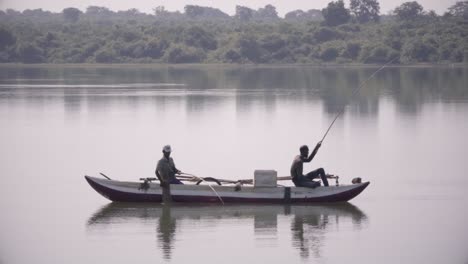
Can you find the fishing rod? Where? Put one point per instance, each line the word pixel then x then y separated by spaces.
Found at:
pixel 355 91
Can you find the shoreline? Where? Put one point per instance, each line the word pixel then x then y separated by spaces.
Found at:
pixel 233 65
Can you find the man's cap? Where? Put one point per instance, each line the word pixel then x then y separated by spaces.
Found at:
pixel 303 147
pixel 167 148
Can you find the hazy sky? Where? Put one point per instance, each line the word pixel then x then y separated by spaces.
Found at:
pixel 282 6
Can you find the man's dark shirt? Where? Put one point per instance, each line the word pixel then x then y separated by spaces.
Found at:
pixel 166 169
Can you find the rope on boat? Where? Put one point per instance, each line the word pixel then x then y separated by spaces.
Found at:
pixel 201 179
pixel 356 90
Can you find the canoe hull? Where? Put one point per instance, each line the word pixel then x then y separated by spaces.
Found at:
pixel 118 191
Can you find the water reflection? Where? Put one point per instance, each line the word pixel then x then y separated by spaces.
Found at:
pixel 309 230
pixel 309 225
pixel 205 88
pixel 165 231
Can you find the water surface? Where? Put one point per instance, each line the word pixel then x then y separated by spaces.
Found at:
pixel 405 131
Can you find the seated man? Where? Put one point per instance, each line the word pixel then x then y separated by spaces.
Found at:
pixel 166 169
pixel 301 180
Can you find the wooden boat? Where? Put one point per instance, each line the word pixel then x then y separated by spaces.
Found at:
pixel 122 191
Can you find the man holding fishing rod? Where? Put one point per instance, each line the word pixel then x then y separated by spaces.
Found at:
pixel 297 167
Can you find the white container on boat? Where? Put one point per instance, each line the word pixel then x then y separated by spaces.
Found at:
pixel 265 178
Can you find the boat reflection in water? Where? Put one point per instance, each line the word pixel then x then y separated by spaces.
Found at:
pixel 308 224
pixel 309 229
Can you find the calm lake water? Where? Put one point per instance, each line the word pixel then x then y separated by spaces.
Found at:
pixel 405 132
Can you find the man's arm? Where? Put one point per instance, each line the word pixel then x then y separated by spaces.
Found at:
pixel 312 155
pixel 162 181
pixel 157 174
pixel 156 171
pixel 175 169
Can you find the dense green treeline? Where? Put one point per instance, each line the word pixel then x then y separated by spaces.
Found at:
pixel 334 34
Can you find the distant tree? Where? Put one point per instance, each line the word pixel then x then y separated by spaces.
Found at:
pixel 50 37
pixel 273 42
pixel 352 50
pixel 105 56
pixel 232 56
pixel 12 12
pixel 48 41
pixel 267 13
pixel 160 11
pixel 90 48
pixel 409 10
pixel 129 36
pixel 299 15
pixel 200 38
pixel 30 53
pixel 249 48
pixel 294 15
pixel 36 12
pixel 6 38
pixel 315 14
pixel 431 14
pixel 244 13
pixel 324 34
pixel 449 51
pixel 71 14
pixel 155 48
pixel 393 37
pixel 130 12
pixel 215 13
pixel 183 54
pixel 377 53
pixel 136 49
pixel 336 14
pixel 329 53
pixel 459 9
pixel 365 10
pixel 194 11
pixel 417 50
pixel 98 11
pixel 74 55
pixel 350 27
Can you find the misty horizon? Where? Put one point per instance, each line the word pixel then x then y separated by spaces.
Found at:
pixel 147 7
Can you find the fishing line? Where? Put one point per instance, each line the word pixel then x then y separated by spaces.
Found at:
pixel 355 91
